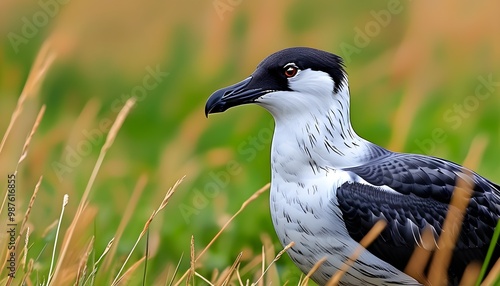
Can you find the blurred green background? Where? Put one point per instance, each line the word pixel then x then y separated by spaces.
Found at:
pixel 424 78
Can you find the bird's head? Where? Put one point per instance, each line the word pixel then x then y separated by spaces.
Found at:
pixel 288 82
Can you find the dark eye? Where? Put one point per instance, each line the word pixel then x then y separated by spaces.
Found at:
pixel 290 70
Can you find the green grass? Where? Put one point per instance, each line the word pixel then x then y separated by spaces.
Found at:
pixel 405 83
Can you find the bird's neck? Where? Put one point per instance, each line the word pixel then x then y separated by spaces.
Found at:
pixel 309 143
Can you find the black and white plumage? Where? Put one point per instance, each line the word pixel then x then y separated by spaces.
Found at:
pixel 330 186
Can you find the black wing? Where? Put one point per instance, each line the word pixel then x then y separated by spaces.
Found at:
pixel 425 185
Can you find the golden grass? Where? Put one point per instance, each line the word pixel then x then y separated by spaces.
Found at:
pixel 24 153
pixel 64 204
pixel 84 200
pixel 37 73
pixel 421 255
pixel 364 243
pixel 493 276
pixel 225 277
pixel 58 271
pixel 82 266
pixel 278 256
pixel 192 262
pixel 129 210
pixel 91 276
pixel 243 206
pixel 449 235
pixel 162 205
pixel 315 268
pixel 44 60
pixel 122 280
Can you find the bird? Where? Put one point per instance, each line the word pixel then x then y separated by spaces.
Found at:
pixel 329 186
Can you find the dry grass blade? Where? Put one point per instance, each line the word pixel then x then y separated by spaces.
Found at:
pixel 421 256
pixel 272 275
pixel 25 248
pixel 191 262
pixel 364 243
pixel 249 266
pixel 33 130
pixel 278 256
pixel 21 158
pixel 311 272
pixel 231 271
pixel 215 274
pixel 82 266
pixel 476 151
pixel 83 202
pixel 30 205
pixel 94 268
pixel 491 249
pixel 28 272
pixel 175 271
pixel 169 194
pixel 451 229
pixel 259 281
pixel 164 202
pixel 470 274
pixel 129 210
pixel 129 271
pixel 120 118
pixel 65 202
pixel 24 151
pixel 243 206
pixel 493 275
pixel 495 271
pixel 25 218
pixel 43 61
pixel 239 276
pixel 202 278
pixel 49 228
pixel 405 115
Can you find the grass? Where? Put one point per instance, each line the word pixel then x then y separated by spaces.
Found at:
pixel 67 85
pixel 63 274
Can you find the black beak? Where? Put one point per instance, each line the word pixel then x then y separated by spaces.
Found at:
pixel 236 94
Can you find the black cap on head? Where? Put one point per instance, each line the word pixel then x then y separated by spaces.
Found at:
pixel 270 75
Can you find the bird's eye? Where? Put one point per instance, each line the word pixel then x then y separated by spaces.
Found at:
pixel 290 70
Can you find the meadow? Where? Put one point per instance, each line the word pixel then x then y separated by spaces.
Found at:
pixel 115 175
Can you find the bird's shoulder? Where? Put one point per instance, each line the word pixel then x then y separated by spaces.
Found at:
pixel 422 176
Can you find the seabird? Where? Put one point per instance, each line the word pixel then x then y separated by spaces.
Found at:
pixel 329 186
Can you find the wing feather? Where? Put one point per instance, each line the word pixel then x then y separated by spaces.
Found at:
pixel 425 186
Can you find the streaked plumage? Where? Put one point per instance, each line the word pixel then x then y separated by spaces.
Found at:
pixel 330 186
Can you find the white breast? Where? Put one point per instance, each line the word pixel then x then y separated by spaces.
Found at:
pixel 306 213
